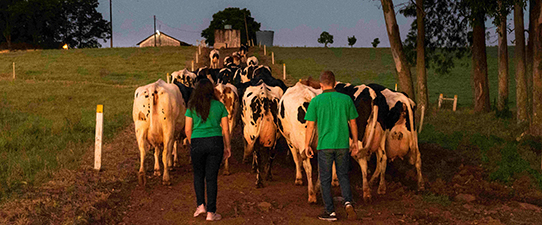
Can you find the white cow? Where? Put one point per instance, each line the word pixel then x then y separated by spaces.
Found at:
pixel 227 94
pixel 259 111
pixel 185 77
pixel 214 56
pixel 158 115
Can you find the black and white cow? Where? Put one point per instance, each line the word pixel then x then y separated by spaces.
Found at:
pixel 259 116
pixel 185 77
pixel 214 57
pixel 206 72
pixel 370 127
pixel 292 124
pixel 400 138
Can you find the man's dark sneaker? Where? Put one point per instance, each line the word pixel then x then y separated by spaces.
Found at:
pixel 350 211
pixel 328 216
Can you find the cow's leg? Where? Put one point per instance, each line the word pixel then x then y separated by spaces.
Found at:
pixel 296 157
pixel 256 164
pixel 272 155
pixel 142 144
pixel 176 146
pixel 362 161
pixel 335 181
pixel 157 172
pixel 308 170
pixel 418 166
pixel 166 156
pixel 383 161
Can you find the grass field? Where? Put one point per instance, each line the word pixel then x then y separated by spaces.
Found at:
pixel 47 115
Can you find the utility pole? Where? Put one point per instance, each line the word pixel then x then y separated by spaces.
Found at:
pixel 246 28
pixel 111 20
pixel 154 30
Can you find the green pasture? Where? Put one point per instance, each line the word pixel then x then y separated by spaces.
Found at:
pixel 47 115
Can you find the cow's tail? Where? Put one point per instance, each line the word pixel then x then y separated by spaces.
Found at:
pixel 413 131
pixel 372 128
pixel 152 99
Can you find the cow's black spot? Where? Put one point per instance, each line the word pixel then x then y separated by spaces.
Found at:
pixel 137 94
pixel 146 96
pixel 256 107
pixel 252 137
pixel 301 114
pixel 282 110
pixel 306 105
pixel 252 122
pixel 249 94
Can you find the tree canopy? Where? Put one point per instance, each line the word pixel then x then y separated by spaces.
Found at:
pixel 325 38
pixel 236 18
pixel 48 23
pixel 352 40
pixel 375 42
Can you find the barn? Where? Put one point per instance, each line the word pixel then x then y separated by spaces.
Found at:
pixel 227 38
pixel 162 39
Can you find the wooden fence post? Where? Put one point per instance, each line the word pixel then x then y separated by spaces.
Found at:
pixel 167 77
pixel 264 51
pixel 199 49
pixel 98 139
pixel 284 71
pixel 440 100
pixel 13 70
pixel 197 60
pixel 192 65
pixel 455 102
pixel 273 57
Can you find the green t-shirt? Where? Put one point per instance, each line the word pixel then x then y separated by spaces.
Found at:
pixel 331 111
pixel 211 127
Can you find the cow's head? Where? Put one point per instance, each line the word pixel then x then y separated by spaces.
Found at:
pixel 311 82
pixel 252 61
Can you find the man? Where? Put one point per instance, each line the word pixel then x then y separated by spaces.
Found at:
pixel 332 112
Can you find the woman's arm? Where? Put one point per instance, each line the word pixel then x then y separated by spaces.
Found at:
pixel 188 128
pixel 226 132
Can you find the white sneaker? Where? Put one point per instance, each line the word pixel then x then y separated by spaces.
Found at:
pixel 213 216
pixel 199 210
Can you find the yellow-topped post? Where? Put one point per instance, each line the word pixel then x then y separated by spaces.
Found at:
pixel 98 139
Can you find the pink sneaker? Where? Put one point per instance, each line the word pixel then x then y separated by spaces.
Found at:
pixel 199 210
pixel 213 216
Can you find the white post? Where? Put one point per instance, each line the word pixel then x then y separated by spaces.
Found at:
pixel 197 57
pixel 98 143
pixel 273 57
pixel 421 119
pixel 284 71
pixel 192 65
pixel 395 86
pixel 14 70
pixel 264 51
pixel 199 49
pixel 455 102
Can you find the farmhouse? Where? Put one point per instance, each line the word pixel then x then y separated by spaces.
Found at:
pixel 162 39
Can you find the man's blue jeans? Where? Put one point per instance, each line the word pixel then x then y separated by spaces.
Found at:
pixel 325 164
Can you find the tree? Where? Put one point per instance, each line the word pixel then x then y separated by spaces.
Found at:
pixel 86 25
pixel 352 40
pixel 236 18
pixel 401 64
pixel 325 38
pixel 375 42
pixel 479 60
pixel 500 20
pixel 522 114
pixel 536 123
pixel 421 72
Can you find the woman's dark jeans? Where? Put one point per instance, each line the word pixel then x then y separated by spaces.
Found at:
pixel 206 154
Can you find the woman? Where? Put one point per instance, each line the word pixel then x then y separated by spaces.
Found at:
pixel 206 122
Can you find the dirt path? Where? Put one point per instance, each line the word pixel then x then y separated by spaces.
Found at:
pixel 240 202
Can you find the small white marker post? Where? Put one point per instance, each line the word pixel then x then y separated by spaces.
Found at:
pixel 98 142
pixel 197 57
pixel 395 86
pixel 14 70
pixel 264 51
pixel 199 49
pixel 284 71
pixel 273 57
pixel 192 65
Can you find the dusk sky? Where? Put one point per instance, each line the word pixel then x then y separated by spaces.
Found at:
pixel 295 23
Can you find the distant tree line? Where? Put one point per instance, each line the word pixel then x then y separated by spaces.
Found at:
pixel 51 23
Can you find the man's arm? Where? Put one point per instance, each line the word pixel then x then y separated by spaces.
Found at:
pixel 354 130
pixel 308 139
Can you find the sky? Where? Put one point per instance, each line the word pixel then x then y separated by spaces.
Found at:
pixel 295 23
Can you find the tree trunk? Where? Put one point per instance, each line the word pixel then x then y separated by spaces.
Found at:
pixel 529 59
pixel 479 65
pixel 421 73
pixel 401 64
pixel 536 124
pixel 502 101
pixel 521 83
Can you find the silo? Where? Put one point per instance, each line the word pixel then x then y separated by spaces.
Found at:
pixel 265 37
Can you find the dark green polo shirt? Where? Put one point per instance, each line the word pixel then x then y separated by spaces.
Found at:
pixel 331 111
pixel 211 127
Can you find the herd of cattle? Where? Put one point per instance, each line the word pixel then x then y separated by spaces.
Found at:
pixel 268 109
